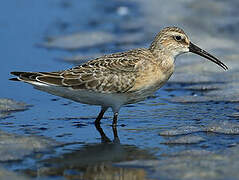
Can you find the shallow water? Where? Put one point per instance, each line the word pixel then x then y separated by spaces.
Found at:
pixel 156 128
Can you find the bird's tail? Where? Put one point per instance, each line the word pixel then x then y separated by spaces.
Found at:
pixel 24 76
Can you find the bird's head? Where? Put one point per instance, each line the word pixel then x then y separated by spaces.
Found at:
pixel 173 42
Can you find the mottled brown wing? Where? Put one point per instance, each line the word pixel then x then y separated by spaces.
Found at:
pixel 53 78
pixel 115 73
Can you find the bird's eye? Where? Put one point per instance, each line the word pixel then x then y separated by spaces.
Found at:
pixel 178 38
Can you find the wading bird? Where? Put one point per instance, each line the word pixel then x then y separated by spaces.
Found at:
pixel 114 80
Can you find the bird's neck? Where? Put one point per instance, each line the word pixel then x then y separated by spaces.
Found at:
pixel 159 51
pixel 164 59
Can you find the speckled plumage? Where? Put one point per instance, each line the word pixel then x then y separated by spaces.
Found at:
pixel 120 78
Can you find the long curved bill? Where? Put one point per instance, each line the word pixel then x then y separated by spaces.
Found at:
pixel 197 50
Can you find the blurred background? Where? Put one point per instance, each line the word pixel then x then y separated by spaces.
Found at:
pixel 188 129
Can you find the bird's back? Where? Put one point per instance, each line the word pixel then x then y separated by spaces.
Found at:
pixel 113 73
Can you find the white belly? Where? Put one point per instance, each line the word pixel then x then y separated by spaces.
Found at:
pixel 86 97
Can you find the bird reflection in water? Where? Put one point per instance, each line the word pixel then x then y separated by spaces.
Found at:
pixel 94 161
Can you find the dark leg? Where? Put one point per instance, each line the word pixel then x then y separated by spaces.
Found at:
pixel 116 138
pixel 114 128
pixel 104 138
pixel 114 124
pixel 100 116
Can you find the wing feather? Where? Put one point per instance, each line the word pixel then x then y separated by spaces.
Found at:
pixel 115 73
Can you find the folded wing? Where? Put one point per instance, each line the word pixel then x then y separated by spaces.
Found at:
pixel 114 73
